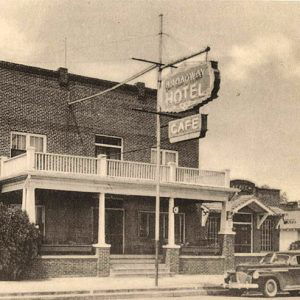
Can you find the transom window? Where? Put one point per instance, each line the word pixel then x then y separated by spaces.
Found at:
pixel 110 146
pixel 166 156
pixel 20 141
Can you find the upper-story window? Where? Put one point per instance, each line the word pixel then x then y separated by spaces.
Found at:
pixel 111 146
pixel 20 141
pixel 166 156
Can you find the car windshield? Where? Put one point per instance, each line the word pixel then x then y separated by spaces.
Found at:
pixel 280 259
pixel 267 259
pixel 275 259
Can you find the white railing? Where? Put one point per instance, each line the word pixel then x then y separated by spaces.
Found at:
pixel 65 163
pixel 14 165
pixel 135 170
pixel 202 177
pixel 101 166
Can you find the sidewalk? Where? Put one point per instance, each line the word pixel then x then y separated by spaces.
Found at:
pixel 84 284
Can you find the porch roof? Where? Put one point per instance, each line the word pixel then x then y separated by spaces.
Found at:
pixel 243 201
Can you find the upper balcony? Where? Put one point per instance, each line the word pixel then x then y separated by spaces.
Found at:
pixel 91 170
pixel 70 164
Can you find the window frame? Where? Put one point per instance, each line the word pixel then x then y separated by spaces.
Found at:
pixel 213 228
pixel 163 155
pixel 28 135
pixel 164 225
pixel 109 145
pixel 266 245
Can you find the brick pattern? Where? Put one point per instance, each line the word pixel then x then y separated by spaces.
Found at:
pixel 60 266
pixel 33 100
pixel 172 259
pixel 247 259
pixel 227 242
pixel 103 263
pixel 201 265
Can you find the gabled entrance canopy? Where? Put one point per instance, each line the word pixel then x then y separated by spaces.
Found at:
pixel 250 201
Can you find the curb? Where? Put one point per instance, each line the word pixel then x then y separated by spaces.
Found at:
pixel 118 293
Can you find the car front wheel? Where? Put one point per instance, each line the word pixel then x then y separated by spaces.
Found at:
pixel 270 288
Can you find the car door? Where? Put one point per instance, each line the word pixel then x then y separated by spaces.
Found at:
pixel 295 270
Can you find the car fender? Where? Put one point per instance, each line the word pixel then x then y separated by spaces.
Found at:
pixel 278 275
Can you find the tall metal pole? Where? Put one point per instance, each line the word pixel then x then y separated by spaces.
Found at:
pixel 157 199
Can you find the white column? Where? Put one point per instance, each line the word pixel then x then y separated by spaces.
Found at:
pixel 28 203
pixel 2 160
pixel 171 241
pixel 172 175
pixel 226 220
pixel 101 222
pixel 30 158
pixel 171 226
pixel 102 165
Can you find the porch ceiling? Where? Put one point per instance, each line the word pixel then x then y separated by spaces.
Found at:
pixel 96 184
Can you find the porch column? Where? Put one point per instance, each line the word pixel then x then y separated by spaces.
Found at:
pixel 28 203
pixel 102 249
pixel 227 237
pixel 172 250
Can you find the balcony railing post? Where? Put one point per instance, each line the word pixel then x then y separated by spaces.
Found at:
pixel 30 151
pixel 227 178
pixel 2 160
pixel 172 176
pixel 102 165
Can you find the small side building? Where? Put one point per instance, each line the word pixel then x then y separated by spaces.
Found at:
pixel 255 214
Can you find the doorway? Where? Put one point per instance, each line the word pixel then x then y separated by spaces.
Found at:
pixel 114 228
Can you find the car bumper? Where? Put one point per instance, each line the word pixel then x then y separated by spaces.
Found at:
pixel 238 285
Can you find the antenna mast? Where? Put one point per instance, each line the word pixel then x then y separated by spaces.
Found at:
pixel 157 199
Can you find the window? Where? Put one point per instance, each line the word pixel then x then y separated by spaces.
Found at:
pixel 212 230
pixel 109 146
pixel 166 156
pixel 266 234
pixel 147 226
pixel 20 141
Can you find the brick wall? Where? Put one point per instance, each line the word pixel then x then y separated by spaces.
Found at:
pixel 62 266
pixel 34 101
pixel 241 259
pixel 201 265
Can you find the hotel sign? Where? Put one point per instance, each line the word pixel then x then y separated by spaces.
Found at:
pixel 187 128
pixel 189 86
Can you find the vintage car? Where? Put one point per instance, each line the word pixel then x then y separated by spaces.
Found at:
pixel 278 271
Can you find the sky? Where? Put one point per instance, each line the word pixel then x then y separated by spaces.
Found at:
pixel 254 125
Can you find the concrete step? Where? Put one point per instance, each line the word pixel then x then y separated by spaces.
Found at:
pixel 133 256
pixel 139 272
pixel 132 261
pixel 137 266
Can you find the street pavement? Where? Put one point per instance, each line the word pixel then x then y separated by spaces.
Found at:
pixel 107 283
pixel 204 297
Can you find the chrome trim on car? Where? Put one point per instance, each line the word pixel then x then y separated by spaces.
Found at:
pixel 237 285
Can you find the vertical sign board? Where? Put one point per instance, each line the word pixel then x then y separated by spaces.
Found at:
pixel 184 89
pixel 189 86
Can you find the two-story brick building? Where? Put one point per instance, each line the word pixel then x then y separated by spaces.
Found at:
pixel 85 174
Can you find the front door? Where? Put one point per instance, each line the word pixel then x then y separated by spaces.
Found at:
pixel 114 229
pixel 242 238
